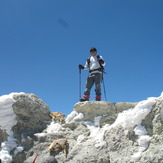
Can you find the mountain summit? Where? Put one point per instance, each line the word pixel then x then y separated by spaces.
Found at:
pixel 94 132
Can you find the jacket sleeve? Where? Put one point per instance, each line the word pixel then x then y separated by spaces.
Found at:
pixel 87 65
pixel 102 60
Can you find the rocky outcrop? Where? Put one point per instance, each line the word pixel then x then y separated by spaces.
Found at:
pixel 30 115
pixel 109 111
pixel 154 125
pixel 97 132
pixel 105 132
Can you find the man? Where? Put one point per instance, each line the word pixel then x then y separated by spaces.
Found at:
pixel 95 65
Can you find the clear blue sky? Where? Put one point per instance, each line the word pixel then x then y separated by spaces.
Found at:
pixel 43 41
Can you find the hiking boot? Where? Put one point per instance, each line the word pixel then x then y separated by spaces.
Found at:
pixel 85 98
pixel 98 98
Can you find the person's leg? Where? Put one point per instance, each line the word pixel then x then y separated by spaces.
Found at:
pixel 89 84
pixel 98 77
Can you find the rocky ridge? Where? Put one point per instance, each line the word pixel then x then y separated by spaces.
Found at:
pixel 97 132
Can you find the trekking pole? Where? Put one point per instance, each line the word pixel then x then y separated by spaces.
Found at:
pixel 35 159
pixel 104 90
pixel 104 83
pixel 79 83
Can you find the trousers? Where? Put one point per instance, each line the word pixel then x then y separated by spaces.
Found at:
pixel 93 78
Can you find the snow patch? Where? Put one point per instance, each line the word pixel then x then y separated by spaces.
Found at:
pixel 40 135
pixel 53 128
pixel 18 149
pixel 81 139
pixel 96 133
pixel 143 137
pixel 7 121
pixel 74 116
pixel 128 119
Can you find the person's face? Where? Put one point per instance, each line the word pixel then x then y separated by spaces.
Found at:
pixel 93 53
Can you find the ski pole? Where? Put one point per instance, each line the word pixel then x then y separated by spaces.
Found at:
pixel 79 83
pixel 104 90
pixel 104 83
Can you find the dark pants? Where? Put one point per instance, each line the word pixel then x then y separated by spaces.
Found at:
pixel 94 78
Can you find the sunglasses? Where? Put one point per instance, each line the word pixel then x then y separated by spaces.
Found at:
pixel 92 51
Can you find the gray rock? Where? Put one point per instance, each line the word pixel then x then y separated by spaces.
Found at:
pixel 109 111
pixel 50 159
pixel 3 136
pixel 32 116
pixel 117 144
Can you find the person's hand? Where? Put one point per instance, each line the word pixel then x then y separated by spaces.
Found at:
pixel 88 61
pixel 101 61
pixel 81 66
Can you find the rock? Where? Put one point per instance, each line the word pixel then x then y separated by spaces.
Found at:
pixel 50 159
pixel 32 116
pixel 121 106
pixel 96 131
pixel 3 136
pixel 107 110
pixel 154 126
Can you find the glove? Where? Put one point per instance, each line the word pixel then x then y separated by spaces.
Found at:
pixel 88 61
pixel 101 61
pixel 81 66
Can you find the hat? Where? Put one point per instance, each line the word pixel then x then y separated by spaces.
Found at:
pixel 93 49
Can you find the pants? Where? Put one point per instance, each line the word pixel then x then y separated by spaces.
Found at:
pixel 93 78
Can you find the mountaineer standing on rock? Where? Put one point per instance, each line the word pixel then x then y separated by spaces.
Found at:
pixel 95 65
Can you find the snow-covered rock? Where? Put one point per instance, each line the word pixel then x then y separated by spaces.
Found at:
pixel 21 116
pixel 97 132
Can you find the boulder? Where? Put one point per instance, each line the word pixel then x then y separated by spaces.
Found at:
pixel 32 116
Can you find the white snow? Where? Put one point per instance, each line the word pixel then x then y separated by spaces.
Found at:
pixel 81 139
pixel 39 135
pixel 7 121
pixel 140 130
pixel 53 128
pixel 134 116
pixel 96 133
pixel 73 116
pixel 143 140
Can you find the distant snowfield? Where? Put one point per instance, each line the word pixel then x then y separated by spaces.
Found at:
pixel 127 119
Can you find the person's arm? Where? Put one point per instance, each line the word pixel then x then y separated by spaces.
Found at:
pixel 101 60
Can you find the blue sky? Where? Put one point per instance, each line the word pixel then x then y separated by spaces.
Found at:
pixel 43 41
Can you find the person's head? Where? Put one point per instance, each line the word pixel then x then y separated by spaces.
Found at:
pixel 93 51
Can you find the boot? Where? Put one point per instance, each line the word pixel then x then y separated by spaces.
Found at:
pixel 98 98
pixel 85 98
